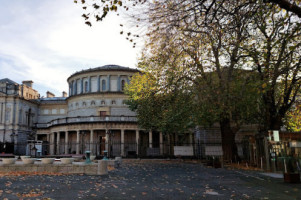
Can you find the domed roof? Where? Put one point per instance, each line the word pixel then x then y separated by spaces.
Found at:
pixel 106 68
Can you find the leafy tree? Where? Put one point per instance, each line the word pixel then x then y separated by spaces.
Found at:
pixel 156 110
pixel 293 119
pixel 100 8
pixel 205 63
pixel 292 6
pixel 274 48
pixel 208 45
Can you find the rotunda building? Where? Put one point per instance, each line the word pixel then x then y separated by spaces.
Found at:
pixel 94 117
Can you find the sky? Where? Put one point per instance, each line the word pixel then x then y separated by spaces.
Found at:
pixel 46 41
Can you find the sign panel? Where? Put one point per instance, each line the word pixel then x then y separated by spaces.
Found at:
pixel 213 150
pixel 183 150
pixel 295 144
pixel 276 136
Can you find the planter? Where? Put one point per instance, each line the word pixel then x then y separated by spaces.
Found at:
pixel 47 160
pixel 92 158
pixel 8 161
pixel 67 160
pixel 28 161
pixel 291 177
pixel 77 158
pixel 22 157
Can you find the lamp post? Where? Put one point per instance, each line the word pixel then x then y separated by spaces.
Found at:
pixel 34 149
pixel 109 133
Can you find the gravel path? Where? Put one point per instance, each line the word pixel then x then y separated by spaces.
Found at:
pixel 151 180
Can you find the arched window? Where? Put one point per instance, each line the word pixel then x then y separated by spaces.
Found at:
pixel 103 83
pixel 113 102
pixel 92 103
pixel 103 102
pixel 122 85
pixel 84 104
pixel 86 86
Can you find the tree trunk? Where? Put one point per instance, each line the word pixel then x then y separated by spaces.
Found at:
pixel 228 141
pixel 275 123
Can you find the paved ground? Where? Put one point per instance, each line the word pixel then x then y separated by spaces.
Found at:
pixel 151 180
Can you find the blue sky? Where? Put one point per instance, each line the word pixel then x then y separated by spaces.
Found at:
pixel 46 41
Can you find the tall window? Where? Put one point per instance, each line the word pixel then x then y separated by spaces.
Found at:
pixel 122 85
pixel 86 86
pixel 103 83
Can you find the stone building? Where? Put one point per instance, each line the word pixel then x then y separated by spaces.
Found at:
pixel 18 111
pixel 93 117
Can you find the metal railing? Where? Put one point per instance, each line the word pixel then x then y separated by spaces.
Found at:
pixel 84 119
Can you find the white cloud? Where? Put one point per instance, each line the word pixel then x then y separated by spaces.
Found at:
pixel 47 41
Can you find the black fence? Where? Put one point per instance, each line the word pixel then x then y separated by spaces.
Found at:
pixel 6 147
pixel 129 149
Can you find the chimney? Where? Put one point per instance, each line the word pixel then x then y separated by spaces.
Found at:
pixel 28 83
pixel 64 94
pixel 50 94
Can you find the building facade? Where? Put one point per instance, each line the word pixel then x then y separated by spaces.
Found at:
pixel 93 117
pixel 18 111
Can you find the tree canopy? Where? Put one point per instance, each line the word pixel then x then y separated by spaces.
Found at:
pixel 204 62
pixel 100 8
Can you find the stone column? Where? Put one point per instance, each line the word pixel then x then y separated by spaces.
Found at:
pixel 75 87
pixel 11 120
pixel 150 139
pixel 77 141
pixel 91 141
pixel 108 84
pixel 58 143
pixel 72 89
pixel 118 84
pixel 17 113
pixel 3 112
pixel 66 142
pixel 51 148
pixel 137 142
pixel 89 84
pixel 161 143
pixel 81 86
pixel 122 142
pixel 98 83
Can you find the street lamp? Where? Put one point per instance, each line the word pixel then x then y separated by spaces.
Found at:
pixel 110 134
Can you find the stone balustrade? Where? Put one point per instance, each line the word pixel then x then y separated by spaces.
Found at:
pixel 83 119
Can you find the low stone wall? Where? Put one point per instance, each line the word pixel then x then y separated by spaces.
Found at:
pixel 57 167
